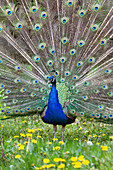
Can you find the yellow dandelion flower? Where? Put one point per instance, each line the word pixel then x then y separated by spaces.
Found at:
pixel 94 136
pixel 55 139
pixel 61 142
pixel 44 153
pixel 19 144
pixel 57 148
pixel 22 134
pixel 16 136
pixel 80 128
pixel 26 142
pixel 81 158
pixel 85 140
pixel 39 129
pixel 33 164
pixel 39 137
pixel 5 117
pixel 21 147
pixel 10 139
pixel 84 123
pixel 46 160
pixel 51 165
pixel 85 162
pixel 29 135
pixel 77 165
pixel 97 143
pixel 73 159
pixel 34 141
pixel 15 141
pixel 111 137
pixel 89 135
pixel 2 126
pixel 61 166
pixel 24 121
pixel 37 168
pixel 17 156
pixel 56 160
pixel 103 134
pixel 104 148
pixel 50 143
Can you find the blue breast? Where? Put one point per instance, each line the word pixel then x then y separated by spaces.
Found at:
pixel 54 113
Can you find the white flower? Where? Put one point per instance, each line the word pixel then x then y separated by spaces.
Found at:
pixel 89 143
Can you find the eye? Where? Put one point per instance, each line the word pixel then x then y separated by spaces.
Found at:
pixel 50 63
pixel 62 59
pixel 36 58
pixel 72 51
pixel 69 2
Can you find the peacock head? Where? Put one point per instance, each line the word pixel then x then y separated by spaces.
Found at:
pixel 52 80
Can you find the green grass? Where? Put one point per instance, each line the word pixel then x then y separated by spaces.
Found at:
pixel 76 139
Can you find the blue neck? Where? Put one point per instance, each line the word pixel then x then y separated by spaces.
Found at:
pixel 53 97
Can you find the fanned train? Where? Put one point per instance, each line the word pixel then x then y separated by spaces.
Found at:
pixel 56 59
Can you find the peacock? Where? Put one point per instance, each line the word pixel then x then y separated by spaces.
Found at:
pixel 56 60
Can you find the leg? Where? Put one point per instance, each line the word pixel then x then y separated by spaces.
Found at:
pixel 63 129
pixel 55 129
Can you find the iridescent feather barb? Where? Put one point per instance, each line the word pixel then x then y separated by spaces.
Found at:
pixel 74 38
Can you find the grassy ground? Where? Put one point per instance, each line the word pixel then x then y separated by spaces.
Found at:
pixel 27 143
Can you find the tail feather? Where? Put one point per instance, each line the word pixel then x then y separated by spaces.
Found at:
pixel 72 37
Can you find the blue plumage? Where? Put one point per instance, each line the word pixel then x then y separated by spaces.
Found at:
pixel 54 114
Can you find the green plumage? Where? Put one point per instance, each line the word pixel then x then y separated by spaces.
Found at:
pixel 74 38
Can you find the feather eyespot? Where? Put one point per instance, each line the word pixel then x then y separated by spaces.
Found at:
pixel 22 90
pixel 17 80
pixel 105 87
pixel 50 63
pixel 103 41
pixel 85 97
pixel 2 86
pixel 108 71
pixel 81 43
pixel 34 9
pixel 43 14
pixel 94 27
pixel 32 94
pixel 81 12
pixel 101 107
pixel 80 63
pixel 69 2
pixel 18 67
pixel 110 94
pixel 72 52
pixel 52 51
pixel 42 46
pixel 76 91
pixel 64 40
pixel 75 77
pixel 64 20
pixel 8 91
pixel 19 26
pixel 37 27
pixel 91 60
pixel 67 73
pixel 36 58
pixel 96 7
pixel 8 12
pixel 14 101
pixel 62 80
pixel 1 27
pixel 62 60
